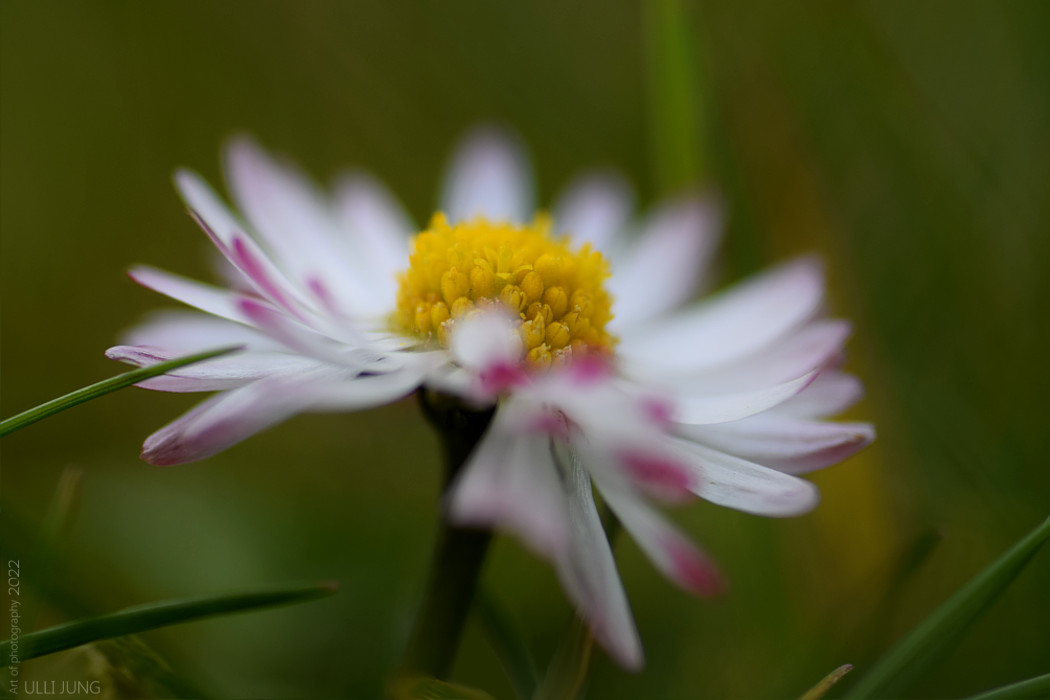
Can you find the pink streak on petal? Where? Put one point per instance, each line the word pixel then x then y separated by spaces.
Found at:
pixel 550 423
pixel 590 370
pixel 244 258
pixel 219 243
pixel 323 294
pixel 692 569
pixel 502 376
pixel 658 410
pixel 657 470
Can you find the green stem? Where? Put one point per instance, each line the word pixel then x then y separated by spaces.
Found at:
pixel 459 553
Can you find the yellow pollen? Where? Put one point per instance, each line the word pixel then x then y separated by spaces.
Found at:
pixel 555 290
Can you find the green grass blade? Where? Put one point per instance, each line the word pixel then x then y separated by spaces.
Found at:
pixel 568 669
pixel 512 652
pixel 935 635
pixel 677 115
pixel 150 616
pixel 827 683
pixel 1038 687
pixel 102 388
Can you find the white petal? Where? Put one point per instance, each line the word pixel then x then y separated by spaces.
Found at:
pixel 205 297
pixel 830 393
pixel 378 227
pixel 489 176
pixel 787 444
pixel 293 218
pixel 188 332
pixel 232 416
pixel 668 549
pixel 588 573
pixel 213 215
pixel 510 483
pixel 661 271
pixel 370 390
pixel 230 238
pixel 595 209
pixel 485 340
pixel 800 352
pixel 732 325
pixel 737 483
pixel 296 336
pixel 224 420
pixel 701 409
pixel 219 374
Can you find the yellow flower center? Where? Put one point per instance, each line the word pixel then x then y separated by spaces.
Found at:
pixel 454 270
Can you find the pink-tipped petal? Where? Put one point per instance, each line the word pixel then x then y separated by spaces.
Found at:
pixel 232 416
pixel 220 374
pixel 595 209
pixel 224 420
pixel 788 444
pixel 657 472
pixel 489 176
pixel 731 325
pixel 661 271
pixel 736 483
pixel 670 551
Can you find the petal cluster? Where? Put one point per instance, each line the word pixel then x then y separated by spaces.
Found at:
pixel 726 399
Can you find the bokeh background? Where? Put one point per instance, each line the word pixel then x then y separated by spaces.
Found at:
pixel 907 143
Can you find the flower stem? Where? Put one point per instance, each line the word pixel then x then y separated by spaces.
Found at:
pixel 459 553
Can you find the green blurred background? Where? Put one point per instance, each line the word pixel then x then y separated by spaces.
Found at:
pixel 906 142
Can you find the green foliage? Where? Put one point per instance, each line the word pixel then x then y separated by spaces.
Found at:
pixel 938 633
pixel 1038 687
pixel 153 615
pixel 106 386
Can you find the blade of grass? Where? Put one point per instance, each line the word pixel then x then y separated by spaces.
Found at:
pixel 676 95
pixel 152 615
pixel 827 683
pixel 568 669
pixel 935 635
pixel 512 652
pixel 102 388
pixel 1038 687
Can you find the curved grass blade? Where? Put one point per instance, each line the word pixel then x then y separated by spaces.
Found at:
pixel 568 669
pixel 1038 687
pixel 102 388
pixel 428 688
pixel 152 615
pixel 936 635
pixel 827 683
pixel 512 652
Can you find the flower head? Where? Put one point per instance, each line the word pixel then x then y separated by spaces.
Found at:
pixel 565 323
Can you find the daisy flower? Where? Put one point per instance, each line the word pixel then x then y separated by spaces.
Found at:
pixel 568 324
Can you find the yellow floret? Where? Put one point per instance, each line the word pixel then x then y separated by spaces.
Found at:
pixel 556 290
